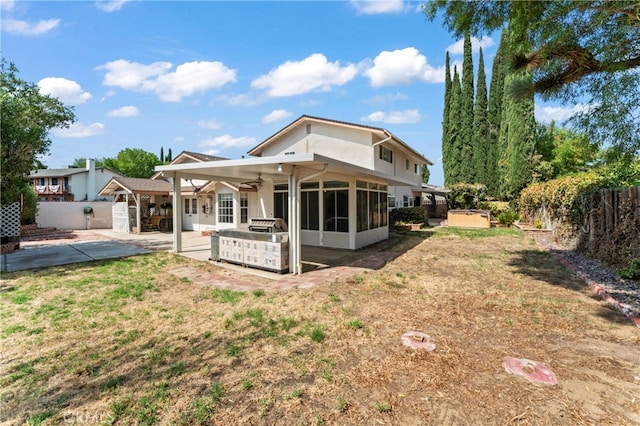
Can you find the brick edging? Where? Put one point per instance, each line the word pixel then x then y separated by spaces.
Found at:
pixel 597 289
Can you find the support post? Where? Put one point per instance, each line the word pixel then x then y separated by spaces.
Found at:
pixel 177 214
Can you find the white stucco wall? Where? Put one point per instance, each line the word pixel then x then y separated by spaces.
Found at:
pixel 70 215
pixel 348 145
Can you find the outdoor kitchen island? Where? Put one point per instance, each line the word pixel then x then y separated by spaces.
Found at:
pixel 264 245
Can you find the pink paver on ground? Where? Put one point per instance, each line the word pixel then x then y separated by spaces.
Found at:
pixel 530 370
pixel 418 340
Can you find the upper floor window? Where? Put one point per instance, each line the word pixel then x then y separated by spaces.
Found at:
pixel 416 168
pixel 408 163
pixel 386 154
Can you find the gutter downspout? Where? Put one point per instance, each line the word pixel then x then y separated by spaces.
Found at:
pixel 298 248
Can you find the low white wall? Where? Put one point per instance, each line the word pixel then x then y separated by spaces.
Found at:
pixel 70 215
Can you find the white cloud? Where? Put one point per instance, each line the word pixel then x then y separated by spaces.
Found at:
pixel 311 74
pixel 187 79
pixel 80 130
pixel 7 5
pixel 209 124
pixel 111 5
pixel 402 67
pixel 377 7
pixel 457 48
pixel 276 115
pixel 15 26
pixel 179 139
pixel 125 111
pixel 383 99
pixel 394 117
pixel 548 113
pixel 67 91
pixel 220 143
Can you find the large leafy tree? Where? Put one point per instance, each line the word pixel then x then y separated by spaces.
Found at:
pixel 584 52
pixel 134 162
pixel 27 116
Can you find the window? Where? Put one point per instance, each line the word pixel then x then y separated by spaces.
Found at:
pixel 308 129
pixel 371 205
pixel 408 163
pixel 336 206
pixel 281 202
pixel 386 154
pixel 40 182
pixel 225 208
pixel 392 201
pixel 416 168
pixel 407 201
pixel 187 204
pixel 244 207
pixel 54 181
pixel 194 206
pixel 309 206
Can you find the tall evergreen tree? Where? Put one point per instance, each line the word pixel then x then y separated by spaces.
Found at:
pixel 169 157
pixel 494 117
pixel 445 115
pixel 454 151
pixel 467 172
pixel 480 126
pixel 518 126
pixel 161 155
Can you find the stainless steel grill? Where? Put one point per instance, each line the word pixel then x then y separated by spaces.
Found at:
pixel 269 225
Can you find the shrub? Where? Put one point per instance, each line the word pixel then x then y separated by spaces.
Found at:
pixel 465 195
pixel 409 215
pixel 496 207
pixel 508 218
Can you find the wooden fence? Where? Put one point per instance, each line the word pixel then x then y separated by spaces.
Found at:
pixel 614 225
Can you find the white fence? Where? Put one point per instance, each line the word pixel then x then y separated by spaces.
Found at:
pixel 70 215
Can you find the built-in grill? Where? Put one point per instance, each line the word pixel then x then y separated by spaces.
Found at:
pixel 264 245
pixel 268 225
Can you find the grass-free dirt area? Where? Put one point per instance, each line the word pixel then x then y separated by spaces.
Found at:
pixel 127 342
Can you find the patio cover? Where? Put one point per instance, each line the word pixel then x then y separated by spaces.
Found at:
pixel 294 168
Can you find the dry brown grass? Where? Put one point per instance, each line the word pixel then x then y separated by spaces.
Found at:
pixel 125 342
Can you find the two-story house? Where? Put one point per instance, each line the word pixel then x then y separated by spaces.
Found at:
pixel 71 184
pixel 329 180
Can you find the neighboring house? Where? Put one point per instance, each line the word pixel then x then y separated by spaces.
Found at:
pixel 71 184
pixel 328 179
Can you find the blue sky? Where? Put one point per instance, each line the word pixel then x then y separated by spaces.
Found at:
pixel 219 77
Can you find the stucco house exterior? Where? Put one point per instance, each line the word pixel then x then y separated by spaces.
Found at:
pixel 71 184
pixel 329 180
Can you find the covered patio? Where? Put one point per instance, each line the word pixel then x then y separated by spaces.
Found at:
pixel 293 170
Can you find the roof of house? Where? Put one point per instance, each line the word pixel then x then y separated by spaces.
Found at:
pixel 197 157
pixel 45 173
pixel 383 133
pixel 136 186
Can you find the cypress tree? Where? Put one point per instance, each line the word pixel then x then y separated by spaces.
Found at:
pixel 454 150
pixel 467 172
pixel 161 155
pixel 517 130
pixel 494 117
pixel 169 157
pixel 480 125
pixel 445 116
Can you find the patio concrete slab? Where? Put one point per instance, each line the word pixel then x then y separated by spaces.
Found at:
pixel 41 256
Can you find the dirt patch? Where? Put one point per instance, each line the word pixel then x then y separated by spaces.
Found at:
pixel 183 353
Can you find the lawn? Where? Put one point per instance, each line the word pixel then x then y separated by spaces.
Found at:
pixel 128 342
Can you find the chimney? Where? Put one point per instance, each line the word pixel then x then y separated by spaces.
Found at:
pixel 91 179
